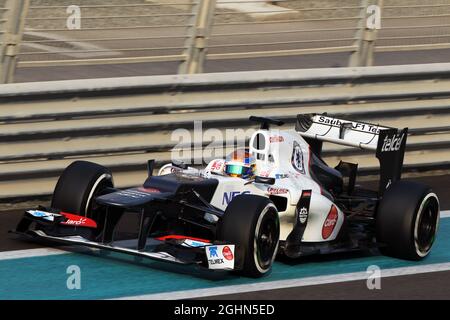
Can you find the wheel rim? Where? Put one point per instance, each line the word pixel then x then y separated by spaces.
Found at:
pixel 266 240
pixel 102 182
pixel 426 225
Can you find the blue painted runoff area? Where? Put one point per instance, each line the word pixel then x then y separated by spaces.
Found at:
pixel 116 275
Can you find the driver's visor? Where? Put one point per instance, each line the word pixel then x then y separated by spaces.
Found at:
pixel 236 169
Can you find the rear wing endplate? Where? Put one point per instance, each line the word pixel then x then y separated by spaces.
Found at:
pixel 390 152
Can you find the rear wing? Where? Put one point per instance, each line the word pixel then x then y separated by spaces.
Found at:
pixel 345 132
pixel 389 143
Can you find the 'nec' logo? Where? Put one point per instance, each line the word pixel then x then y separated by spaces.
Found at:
pixel 228 196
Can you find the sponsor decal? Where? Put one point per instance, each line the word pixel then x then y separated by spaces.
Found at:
pixel 227 253
pixel 217 165
pixel 388 183
pixel 229 196
pixel 275 139
pixel 303 207
pixel 220 257
pixel 301 221
pixel 306 193
pixel 281 176
pixel 213 252
pixel 272 190
pixel 330 121
pixel 393 143
pixel 303 215
pixel 186 241
pixel 194 244
pixel 365 127
pixel 297 158
pixel 148 190
pixel 43 214
pixel 78 221
pixel 265 173
pixel 135 193
pixel 358 126
pixel 39 214
pixel 330 222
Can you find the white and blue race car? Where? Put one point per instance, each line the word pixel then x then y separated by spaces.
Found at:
pixel 293 204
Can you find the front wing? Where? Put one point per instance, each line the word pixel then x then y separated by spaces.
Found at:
pixel 177 249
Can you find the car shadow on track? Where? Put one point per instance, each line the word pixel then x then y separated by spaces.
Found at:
pixel 219 275
pixel 200 272
pixel 330 257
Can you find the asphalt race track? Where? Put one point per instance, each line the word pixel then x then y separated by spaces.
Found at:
pixel 28 271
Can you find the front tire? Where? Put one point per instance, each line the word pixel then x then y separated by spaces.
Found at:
pixel 251 222
pixel 78 185
pixel 407 220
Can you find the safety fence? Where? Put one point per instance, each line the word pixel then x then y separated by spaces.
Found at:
pixel 42 33
pixel 420 25
pixel 123 122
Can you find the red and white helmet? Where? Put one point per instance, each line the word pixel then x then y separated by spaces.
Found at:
pixel 241 164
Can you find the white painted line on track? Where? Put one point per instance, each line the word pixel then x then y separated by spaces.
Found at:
pixel 445 214
pixel 282 284
pixel 291 283
pixel 75 44
pixel 18 254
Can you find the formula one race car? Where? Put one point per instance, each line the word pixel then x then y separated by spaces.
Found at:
pixel 222 217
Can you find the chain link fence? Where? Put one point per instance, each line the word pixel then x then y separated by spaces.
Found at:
pixel 54 33
pixel 110 31
pixel 305 27
pixel 414 25
pixel 3 13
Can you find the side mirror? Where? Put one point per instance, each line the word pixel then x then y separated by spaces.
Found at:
pixel 150 167
pixel 179 164
pixel 264 180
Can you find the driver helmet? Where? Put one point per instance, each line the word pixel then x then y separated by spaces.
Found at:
pixel 241 164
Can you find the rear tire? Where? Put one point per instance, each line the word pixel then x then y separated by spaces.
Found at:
pixel 78 185
pixel 407 220
pixel 251 222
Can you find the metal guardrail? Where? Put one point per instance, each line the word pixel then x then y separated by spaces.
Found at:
pixel 192 32
pixel 123 122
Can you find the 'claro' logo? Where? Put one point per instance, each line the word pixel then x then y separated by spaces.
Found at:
pixel 227 253
pixel 392 144
pixel 330 223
